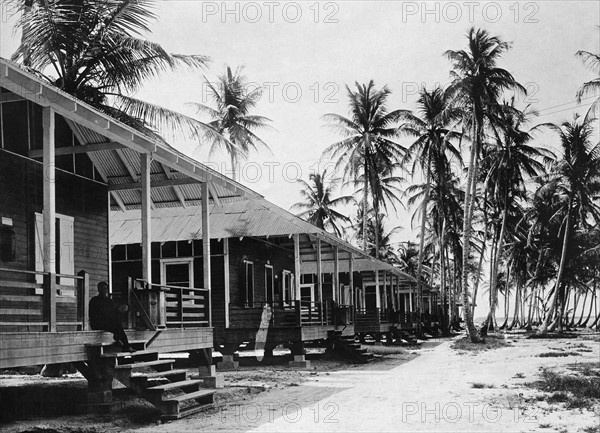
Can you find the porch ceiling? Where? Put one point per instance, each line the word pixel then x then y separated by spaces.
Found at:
pixel 115 149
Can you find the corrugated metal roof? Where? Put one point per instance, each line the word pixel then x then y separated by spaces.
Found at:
pixel 233 218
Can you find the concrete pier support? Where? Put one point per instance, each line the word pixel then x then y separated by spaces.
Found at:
pixel 229 362
pixel 299 354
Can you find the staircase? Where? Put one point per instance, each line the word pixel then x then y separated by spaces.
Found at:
pixel 403 337
pixel 154 379
pixel 345 344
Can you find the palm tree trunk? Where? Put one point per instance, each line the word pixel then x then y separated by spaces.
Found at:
pixel 587 292
pixel 491 319
pixel 422 247
pixel 561 270
pixel 233 172
pixel 365 204
pixel 467 230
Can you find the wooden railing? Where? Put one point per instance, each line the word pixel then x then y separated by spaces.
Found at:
pixel 29 306
pixel 292 314
pixel 185 307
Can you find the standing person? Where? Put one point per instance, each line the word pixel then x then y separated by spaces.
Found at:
pixel 104 316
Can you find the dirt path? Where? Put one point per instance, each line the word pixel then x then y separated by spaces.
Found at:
pixel 441 390
pixel 445 391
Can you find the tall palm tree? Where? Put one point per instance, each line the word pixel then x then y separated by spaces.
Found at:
pixel 318 205
pixel 575 179
pixel 95 51
pixel 234 100
pixel 433 141
pixel 368 149
pixel 477 84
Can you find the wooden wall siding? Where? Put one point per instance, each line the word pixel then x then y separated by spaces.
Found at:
pixel 37 348
pixel 86 201
pixel 259 253
pixel 22 131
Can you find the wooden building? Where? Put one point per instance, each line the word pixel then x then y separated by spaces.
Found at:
pixel 275 278
pixel 63 165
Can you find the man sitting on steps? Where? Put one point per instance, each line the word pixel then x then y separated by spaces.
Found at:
pixel 104 316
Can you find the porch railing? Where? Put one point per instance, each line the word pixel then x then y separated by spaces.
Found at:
pixel 292 314
pixel 374 316
pixel 176 306
pixel 59 303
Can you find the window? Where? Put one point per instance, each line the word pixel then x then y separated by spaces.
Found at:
pixel 178 272
pixel 65 248
pixel 249 280
pixel 269 284
pixel 7 244
pixel 287 289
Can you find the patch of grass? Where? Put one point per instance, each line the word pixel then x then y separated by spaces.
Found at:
pixel 558 354
pixel 592 429
pixel 479 385
pixel 545 425
pixel 573 390
pixel 488 343
pixel 519 376
pixel 587 369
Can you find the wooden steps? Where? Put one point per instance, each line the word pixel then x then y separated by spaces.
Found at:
pixel 155 379
pixel 346 344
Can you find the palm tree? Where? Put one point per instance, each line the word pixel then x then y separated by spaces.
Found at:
pixel 433 140
pixel 318 207
pixel 234 100
pixel 477 84
pixel 94 51
pixel 576 180
pixel 508 164
pixel 367 149
pixel 592 61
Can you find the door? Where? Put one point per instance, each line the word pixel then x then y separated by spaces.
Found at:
pixel 370 298
pixel 307 292
pixel 269 284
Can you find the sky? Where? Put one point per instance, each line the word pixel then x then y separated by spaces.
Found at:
pixel 305 53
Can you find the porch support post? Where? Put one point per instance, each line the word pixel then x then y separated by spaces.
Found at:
pixel 336 275
pixel 377 291
pixel 206 248
pixel 227 282
pixel 146 218
pixel 49 215
pixel 297 266
pixel 351 276
pixel 319 271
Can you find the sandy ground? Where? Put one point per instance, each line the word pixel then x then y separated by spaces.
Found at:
pixel 440 390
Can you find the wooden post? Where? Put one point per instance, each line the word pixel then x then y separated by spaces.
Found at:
pixel 336 275
pixel 227 282
pixel 146 218
pixel 377 291
pixel 84 299
pixel 351 281
pixel 49 215
pixel 297 266
pixel 206 248
pixel 319 276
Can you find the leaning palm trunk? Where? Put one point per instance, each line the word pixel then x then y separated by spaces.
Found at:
pixel 467 230
pixel 481 257
pixel 422 248
pixel 561 270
